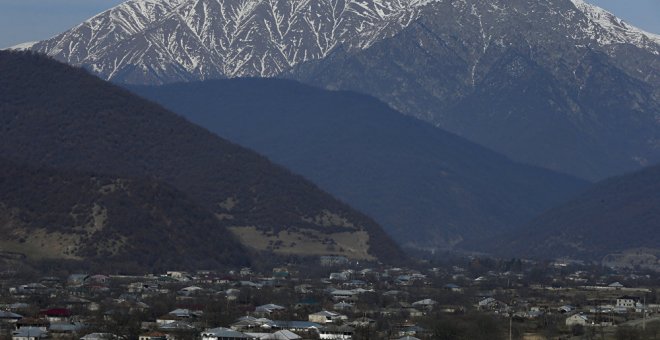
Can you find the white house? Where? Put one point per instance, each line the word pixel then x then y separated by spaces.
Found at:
pixel 336 333
pixel 344 295
pixel 577 319
pixel 427 304
pixel 324 317
pixel 29 333
pixel 626 302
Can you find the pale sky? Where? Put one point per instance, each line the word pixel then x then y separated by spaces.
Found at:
pixel 32 20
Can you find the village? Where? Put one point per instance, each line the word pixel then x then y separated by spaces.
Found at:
pixel 471 298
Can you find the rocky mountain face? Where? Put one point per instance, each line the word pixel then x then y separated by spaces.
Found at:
pixel 552 83
pixel 556 83
pixel 61 117
pixel 148 41
pixel 428 188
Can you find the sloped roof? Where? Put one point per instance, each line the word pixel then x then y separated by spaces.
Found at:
pixel 222 332
pixel 9 315
pixel 281 335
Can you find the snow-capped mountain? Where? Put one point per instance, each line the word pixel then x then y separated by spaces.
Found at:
pixel 608 29
pixel 165 40
pixel 556 83
pixel 158 41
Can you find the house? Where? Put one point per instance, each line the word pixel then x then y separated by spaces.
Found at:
pixel 222 333
pixel 248 322
pixel 450 309
pixel 342 306
pixel 100 336
pixel 64 329
pixel 343 276
pixel 627 302
pixel 410 330
pixel 29 333
pixel 191 290
pixel 97 279
pixel 269 309
pixel 42 324
pixel 362 322
pixel 179 275
pixel 565 309
pixel 336 332
pixel 165 319
pixel 615 285
pixel 177 326
pixel 328 261
pixel 281 273
pixel 30 289
pixel 141 287
pixel 9 317
pixel 183 313
pixel 324 317
pixel 426 304
pixel 577 319
pixel 452 288
pixel 294 326
pixel 76 280
pixel 153 336
pixel 414 313
pixel 489 303
pixel 279 335
pixel 343 295
pixel 57 314
pixel 178 315
pixel 304 288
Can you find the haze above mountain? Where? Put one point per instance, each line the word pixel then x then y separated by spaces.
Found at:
pixel 427 187
pixel 57 116
pixel 556 83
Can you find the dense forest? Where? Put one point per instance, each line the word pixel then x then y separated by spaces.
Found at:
pixel 55 115
pixel 110 222
pixel 615 215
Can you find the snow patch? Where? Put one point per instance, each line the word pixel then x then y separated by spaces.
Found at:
pixel 608 29
pixel 22 47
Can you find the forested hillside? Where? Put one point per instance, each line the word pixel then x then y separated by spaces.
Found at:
pixel 62 117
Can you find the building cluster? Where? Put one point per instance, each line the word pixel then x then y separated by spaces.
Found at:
pixel 339 301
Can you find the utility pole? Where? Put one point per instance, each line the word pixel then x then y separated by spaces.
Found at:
pixel 510 325
pixel 644 314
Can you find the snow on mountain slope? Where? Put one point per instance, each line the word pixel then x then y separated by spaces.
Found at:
pixel 156 41
pixel 23 46
pixel 160 41
pixel 608 29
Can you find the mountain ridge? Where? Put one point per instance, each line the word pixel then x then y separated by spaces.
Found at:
pixel 425 58
pixel 286 23
pixel 61 117
pixel 615 216
pixel 428 188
